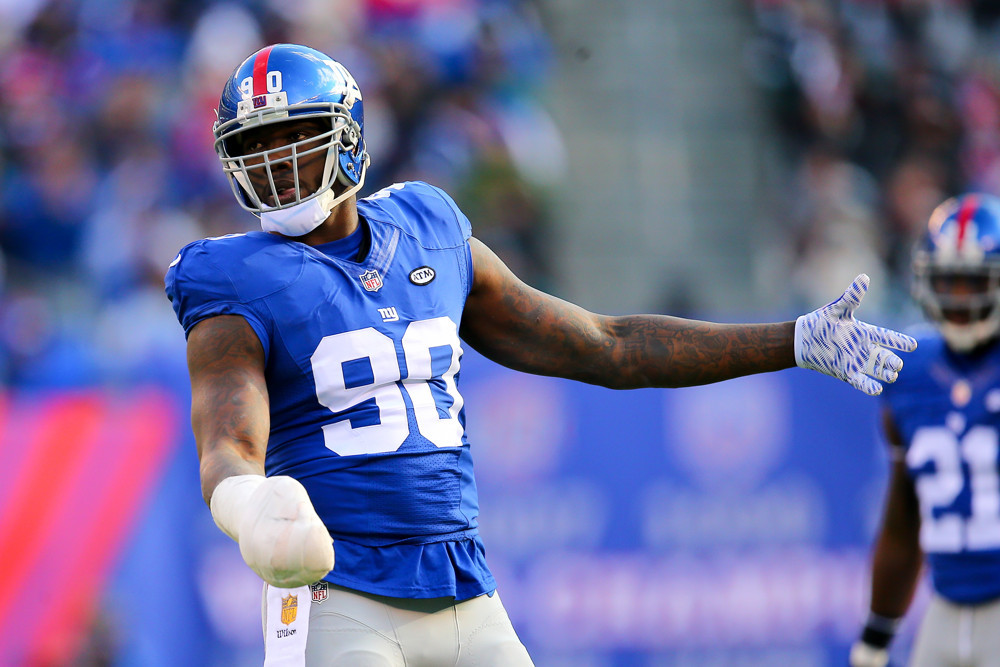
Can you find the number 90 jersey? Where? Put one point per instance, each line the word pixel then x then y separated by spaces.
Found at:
pixel 362 362
pixel 947 409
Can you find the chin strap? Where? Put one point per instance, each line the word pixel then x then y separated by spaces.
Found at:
pixel 967 337
pixel 300 219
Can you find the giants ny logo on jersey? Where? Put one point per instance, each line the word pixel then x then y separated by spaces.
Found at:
pixel 371 280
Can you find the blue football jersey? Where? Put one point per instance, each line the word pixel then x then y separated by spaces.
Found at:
pixel 947 409
pixel 362 369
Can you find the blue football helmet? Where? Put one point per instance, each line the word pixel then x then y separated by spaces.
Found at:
pixel 956 270
pixel 285 82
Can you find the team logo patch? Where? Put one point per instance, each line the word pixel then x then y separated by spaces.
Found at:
pixel 320 591
pixel 422 276
pixel 259 101
pixel 961 393
pixel 289 609
pixel 371 280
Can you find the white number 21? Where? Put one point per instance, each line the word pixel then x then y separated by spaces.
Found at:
pixel 359 370
pixel 944 531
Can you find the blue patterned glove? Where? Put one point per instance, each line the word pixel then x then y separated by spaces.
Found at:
pixel 831 341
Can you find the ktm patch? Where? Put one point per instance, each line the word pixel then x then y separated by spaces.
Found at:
pixel 422 275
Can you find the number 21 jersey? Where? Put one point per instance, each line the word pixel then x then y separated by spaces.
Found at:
pixel 362 367
pixel 947 409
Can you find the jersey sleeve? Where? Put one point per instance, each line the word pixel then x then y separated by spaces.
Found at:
pixel 423 210
pixel 198 288
pixel 428 213
pixel 464 225
pixel 465 229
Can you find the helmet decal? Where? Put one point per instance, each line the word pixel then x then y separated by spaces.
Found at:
pixel 965 212
pixel 263 81
pixel 349 88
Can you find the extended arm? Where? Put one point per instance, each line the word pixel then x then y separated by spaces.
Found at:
pixel 897 561
pixel 528 330
pixel 280 536
pixel 229 403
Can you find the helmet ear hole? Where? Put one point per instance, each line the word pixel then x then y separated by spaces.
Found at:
pixel 349 138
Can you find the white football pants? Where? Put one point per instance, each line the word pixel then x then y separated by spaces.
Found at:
pixel 353 629
pixel 954 635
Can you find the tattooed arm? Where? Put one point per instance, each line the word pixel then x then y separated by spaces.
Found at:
pixel 229 403
pixel 280 535
pixel 528 330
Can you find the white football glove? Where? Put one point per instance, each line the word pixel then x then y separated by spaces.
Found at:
pixel 280 535
pixel 866 655
pixel 831 341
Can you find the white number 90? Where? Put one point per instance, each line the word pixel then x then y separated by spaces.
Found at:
pixel 273 80
pixel 431 391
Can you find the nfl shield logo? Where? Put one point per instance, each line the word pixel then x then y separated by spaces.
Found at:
pixel 289 609
pixel 320 591
pixel 371 280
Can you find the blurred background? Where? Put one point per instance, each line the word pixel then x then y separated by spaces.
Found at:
pixel 723 159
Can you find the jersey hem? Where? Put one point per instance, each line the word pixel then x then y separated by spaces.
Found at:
pixel 487 586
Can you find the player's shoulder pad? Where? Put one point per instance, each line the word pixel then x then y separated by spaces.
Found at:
pixel 930 347
pixel 930 344
pixel 235 267
pixel 421 210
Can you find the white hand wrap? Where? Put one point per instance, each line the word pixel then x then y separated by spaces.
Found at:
pixel 280 535
pixel 831 341
pixel 866 655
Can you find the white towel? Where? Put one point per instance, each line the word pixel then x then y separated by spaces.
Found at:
pixel 286 626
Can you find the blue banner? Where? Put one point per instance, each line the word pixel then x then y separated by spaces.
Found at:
pixel 724 525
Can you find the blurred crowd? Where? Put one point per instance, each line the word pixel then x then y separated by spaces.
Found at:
pixel 108 169
pixel 885 108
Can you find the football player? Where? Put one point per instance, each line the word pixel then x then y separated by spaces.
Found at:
pixel 942 423
pixel 324 354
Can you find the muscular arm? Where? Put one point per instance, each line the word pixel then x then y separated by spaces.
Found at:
pixel 898 559
pixel 528 330
pixel 229 402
